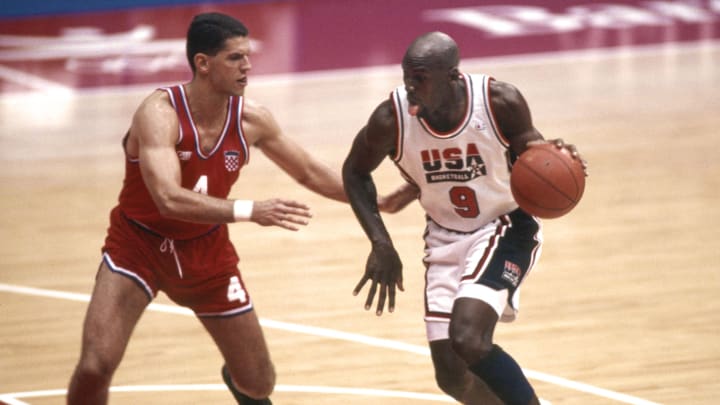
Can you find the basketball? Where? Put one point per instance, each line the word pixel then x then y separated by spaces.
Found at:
pixel 546 181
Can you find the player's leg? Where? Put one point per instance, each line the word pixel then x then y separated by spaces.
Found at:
pixel 471 335
pixel 247 359
pixel 115 307
pixel 446 253
pixel 496 267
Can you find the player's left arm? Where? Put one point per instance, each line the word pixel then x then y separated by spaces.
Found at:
pixel 514 120
pixel 261 126
pixel 307 170
pixel 399 198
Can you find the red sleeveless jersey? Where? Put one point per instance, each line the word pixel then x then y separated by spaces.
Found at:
pixel 211 173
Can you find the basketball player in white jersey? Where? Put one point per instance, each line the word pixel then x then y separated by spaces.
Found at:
pixel 454 136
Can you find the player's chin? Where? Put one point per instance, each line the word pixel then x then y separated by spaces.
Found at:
pixel 238 89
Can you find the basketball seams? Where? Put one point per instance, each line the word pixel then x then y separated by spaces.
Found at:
pixel 567 167
pixel 544 180
pixel 528 202
pixel 541 181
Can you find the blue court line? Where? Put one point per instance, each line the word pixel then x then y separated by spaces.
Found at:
pixel 30 8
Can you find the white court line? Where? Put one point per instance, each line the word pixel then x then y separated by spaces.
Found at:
pixel 353 337
pixel 11 398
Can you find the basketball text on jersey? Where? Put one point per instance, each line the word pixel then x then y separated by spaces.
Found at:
pixel 453 164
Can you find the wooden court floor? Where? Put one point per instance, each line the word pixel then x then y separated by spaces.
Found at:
pixel 623 307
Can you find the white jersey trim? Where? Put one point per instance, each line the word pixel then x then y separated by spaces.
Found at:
pixel 128 273
pixel 220 139
pixel 168 90
pixel 488 109
pixel 241 133
pixel 399 118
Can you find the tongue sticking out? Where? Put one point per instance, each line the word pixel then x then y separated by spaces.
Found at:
pixel 413 109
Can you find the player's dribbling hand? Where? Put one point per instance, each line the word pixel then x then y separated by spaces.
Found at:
pixel 279 212
pixel 383 267
pixel 572 149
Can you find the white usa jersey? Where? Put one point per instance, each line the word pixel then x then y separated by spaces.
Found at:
pixel 464 174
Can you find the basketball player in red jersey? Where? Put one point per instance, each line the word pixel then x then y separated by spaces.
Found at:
pixel 454 137
pixel 184 150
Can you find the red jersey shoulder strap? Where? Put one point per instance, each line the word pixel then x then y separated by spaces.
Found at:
pixel 237 103
pixel 179 103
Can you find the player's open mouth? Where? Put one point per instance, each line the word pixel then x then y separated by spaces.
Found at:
pixel 413 104
pixel 413 108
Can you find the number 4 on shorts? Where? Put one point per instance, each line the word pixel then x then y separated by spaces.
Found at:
pixel 236 290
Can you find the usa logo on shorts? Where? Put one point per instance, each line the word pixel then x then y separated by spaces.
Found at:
pixel 511 273
pixel 232 160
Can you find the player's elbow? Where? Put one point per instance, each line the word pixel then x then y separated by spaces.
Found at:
pixel 349 173
pixel 304 180
pixel 352 177
pixel 167 204
pixel 165 210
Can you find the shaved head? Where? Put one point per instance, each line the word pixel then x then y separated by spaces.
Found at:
pixel 433 50
pixel 432 79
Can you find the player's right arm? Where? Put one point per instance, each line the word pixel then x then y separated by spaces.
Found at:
pixel 373 143
pixel 514 120
pixel 152 139
pixel 512 114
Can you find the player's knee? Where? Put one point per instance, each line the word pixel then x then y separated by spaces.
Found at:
pixel 95 370
pixel 259 384
pixel 469 345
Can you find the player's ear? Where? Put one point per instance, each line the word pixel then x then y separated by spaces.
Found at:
pixel 201 62
pixel 454 74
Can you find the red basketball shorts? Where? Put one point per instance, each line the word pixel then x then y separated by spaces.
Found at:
pixel 200 273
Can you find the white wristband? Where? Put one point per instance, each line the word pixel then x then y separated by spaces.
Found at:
pixel 242 210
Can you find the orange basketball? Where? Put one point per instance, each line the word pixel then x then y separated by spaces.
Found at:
pixel 546 181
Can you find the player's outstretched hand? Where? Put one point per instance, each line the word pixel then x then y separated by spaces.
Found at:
pixel 398 198
pixel 385 268
pixel 279 212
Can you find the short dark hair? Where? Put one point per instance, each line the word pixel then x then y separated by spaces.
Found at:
pixel 207 34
